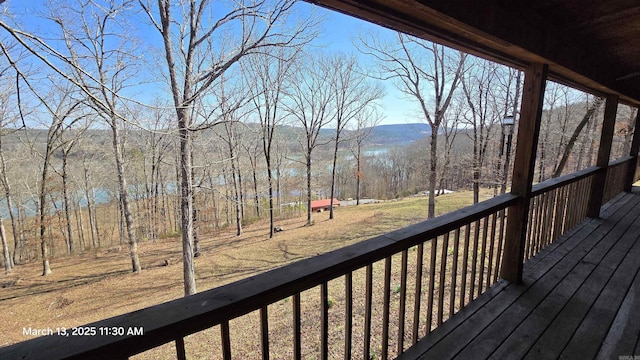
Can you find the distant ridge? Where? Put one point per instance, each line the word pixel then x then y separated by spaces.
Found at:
pixel 380 135
pixel 398 133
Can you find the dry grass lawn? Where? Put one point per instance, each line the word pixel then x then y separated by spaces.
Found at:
pixel 97 285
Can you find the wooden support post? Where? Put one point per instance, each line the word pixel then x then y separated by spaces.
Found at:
pixel 535 78
pixel 604 152
pixel 635 147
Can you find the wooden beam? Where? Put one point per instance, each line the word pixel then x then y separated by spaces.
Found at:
pixel 604 152
pixel 507 32
pixel 523 166
pixel 635 147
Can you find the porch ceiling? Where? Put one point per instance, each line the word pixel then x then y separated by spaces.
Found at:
pixel 592 45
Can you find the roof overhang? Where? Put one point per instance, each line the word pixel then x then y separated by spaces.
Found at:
pixel 587 56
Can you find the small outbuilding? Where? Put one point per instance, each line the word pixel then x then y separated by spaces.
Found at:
pixel 323 204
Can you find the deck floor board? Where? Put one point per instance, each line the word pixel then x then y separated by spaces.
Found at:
pixel 578 300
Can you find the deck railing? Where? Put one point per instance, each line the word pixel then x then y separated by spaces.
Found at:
pixel 616 177
pixel 556 206
pixel 375 298
pixel 379 296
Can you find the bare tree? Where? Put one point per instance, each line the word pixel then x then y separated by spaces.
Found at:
pixel 207 47
pixel 252 148
pixel 231 138
pixel 426 72
pixel 450 132
pixel 312 105
pixel 7 117
pixel 478 85
pixel 99 60
pixel 353 92
pixel 89 156
pixel 593 107
pixel 266 76
pixel 62 118
pixel 365 121
pixel 6 255
pixel 104 75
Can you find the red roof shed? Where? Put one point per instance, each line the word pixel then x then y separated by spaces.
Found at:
pixel 321 205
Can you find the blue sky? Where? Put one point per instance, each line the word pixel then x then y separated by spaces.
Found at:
pixel 338 32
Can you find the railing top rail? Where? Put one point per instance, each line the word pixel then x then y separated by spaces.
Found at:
pixel 560 181
pixel 165 322
pixel 621 160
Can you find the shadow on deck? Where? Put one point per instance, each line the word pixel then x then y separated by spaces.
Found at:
pixel 579 300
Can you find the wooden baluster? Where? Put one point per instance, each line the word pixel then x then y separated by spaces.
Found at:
pixel 403 300
pixel 503 217
pixel 385 308
pixel 324 321
pixel 432 280
pixel 474 265
pixel 530 239
pixel 483 254
pixel 226 340
pixel 264 332
pixel 572 204
pixel 297 334
pixel 418 294
pixel 491 251
pixel 348 314
pixel 587 184
pixel 180 351
pixel 559 214
pixel 465 265
pixel 367 311
pixel 443 274
pixel 551 217
pixel 540 223
pixel 454 272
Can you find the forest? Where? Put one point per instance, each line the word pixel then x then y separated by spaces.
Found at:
pixel 129 121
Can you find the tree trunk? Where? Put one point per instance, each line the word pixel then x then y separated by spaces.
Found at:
pixel 236 180
pixel 46 268
pixel 17 235
pixel 255 190
pixel 5 248
pixel 433 172
pixel 65 198
pixel 196 240
pixel 20 225
pixel 79 221
pixel 309 219
pixel 90 210
pixel 237 196
pixel 186 203
pixel 124 198
pixel 271 214
pixel 476 163
pixel 278 188
pixel 241 192
pixel 156 201
pixel 585 120
pixel 177 203
pixel 541 167
pixel 333 172
pixel 358 173
pixel 163 208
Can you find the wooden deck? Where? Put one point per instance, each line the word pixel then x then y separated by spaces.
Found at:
pixel 580 300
